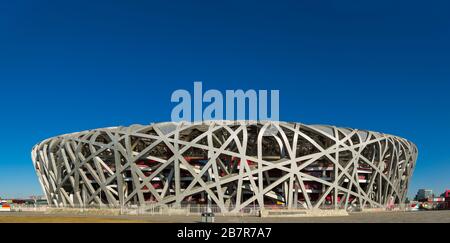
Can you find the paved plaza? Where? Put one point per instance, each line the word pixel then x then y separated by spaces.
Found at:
pixel 380 217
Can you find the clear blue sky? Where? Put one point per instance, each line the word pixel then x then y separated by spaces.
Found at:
pixel 67 66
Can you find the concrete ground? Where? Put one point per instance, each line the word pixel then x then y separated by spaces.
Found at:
pixel 379 217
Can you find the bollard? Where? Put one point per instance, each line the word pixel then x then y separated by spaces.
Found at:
pixel 208 217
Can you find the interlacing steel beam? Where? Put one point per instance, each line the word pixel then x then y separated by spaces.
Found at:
pixel 232 164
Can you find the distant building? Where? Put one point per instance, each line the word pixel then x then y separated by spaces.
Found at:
pixel 447 199
pixel 424 195
pixel 32 200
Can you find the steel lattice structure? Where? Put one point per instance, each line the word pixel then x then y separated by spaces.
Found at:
pixel 233 164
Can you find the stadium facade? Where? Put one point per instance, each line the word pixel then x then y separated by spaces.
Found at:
pixel 231 164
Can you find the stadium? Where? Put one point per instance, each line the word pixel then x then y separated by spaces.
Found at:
pixel 229 164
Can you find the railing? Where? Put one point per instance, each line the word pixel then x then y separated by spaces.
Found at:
pixel 252 210
pixel 190 210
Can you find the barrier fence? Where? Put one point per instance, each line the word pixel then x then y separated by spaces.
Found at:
pixel 252 210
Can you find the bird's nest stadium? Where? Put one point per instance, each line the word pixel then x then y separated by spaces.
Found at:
pixel 229 164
